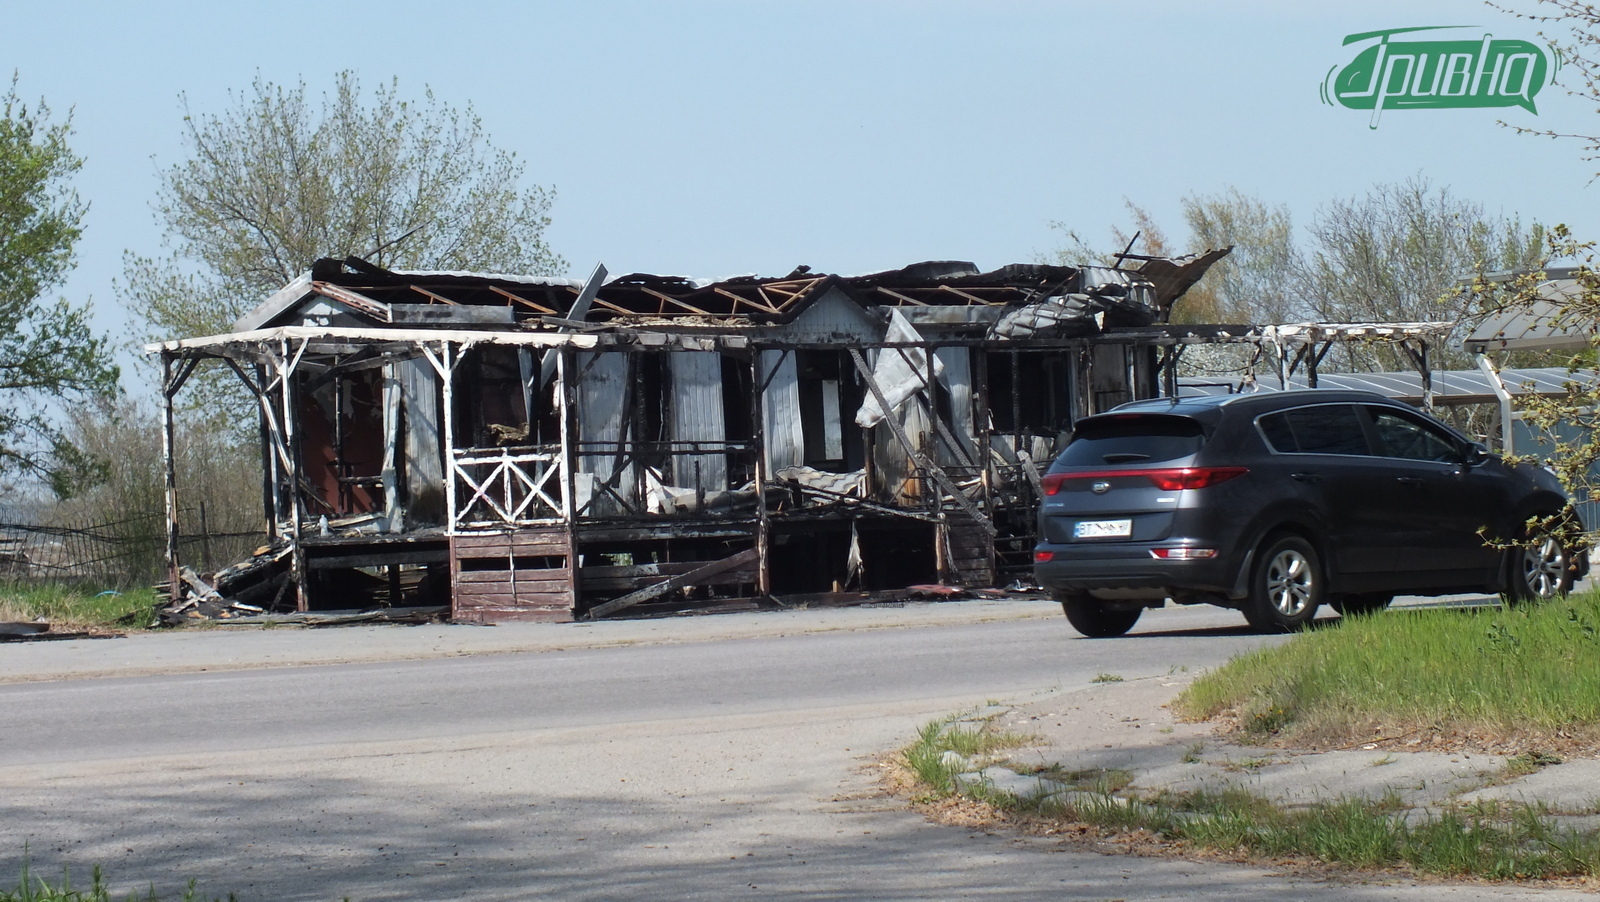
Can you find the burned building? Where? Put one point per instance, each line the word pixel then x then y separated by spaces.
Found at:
pixel 547 448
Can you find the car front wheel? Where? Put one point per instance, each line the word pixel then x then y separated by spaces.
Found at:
pixel 1286 586
pixel 1541 568
pixel 1094 619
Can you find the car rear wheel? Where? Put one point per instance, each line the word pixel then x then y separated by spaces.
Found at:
pixel 1095 620
pixel 1286 588
pixel 1540 568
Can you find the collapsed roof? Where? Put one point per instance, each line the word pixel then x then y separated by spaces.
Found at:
pixel 1081 300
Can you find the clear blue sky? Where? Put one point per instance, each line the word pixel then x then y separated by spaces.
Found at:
pixel 715 138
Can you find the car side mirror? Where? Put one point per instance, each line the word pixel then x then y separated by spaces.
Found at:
pixel 1476 453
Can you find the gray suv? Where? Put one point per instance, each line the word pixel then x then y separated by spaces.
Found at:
pixel 1275 503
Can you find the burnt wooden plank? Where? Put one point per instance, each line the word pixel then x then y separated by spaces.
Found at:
pixel 508 551
pixel 693 577
pixel 509 601
pixel 377 558
pixel 674 531
pixel 518 577
pixel 733 577
pixel 520 615
pixel 640 571
pixel 504 539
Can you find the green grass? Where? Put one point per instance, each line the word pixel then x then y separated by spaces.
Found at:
pixel 1106 678
pixel 1506 842
pixel 1492 840
pixel 974 743
pixel 33 888
pixel 77 606
pixel 1521 674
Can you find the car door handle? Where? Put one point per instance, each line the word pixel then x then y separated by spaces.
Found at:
pixel 1306 477
pixel 1408 480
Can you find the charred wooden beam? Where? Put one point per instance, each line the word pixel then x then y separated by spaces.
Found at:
pixel 691 578
pixel 355 300
pixel 946 484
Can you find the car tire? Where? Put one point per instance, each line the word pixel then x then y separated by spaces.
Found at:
pixel 1349 605
pixel 1539 568
pixel 1095 620
pixel 1286 586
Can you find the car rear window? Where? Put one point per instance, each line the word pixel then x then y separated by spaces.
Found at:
pixel 1132 439
pixel 1323 429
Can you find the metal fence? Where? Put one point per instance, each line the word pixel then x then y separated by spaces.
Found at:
pixel 115 554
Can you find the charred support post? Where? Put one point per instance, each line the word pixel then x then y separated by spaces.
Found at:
pixel 1419 358
pixel 392 438
pixel 274 450
pixel 269 461
pixel 758 436
pixel 171 477
pixel 286 368
pixel 444 363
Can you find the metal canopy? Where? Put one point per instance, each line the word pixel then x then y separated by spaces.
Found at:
pixel 1450 387
pixel 1539 327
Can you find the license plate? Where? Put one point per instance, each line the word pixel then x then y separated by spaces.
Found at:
pixel 1102 529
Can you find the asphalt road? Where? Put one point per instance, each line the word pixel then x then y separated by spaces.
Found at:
pixel 674 761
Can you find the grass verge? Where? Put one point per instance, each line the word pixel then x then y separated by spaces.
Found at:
pixel 1495 678
pixel 1489 840
pixel 74 607
pixel 952 746
pixel 33 888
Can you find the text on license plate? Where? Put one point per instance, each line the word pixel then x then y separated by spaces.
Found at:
pixel 1102 529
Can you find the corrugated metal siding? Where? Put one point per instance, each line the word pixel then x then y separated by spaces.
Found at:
pixel 419 393
pixel 697 416
pixel 602 400
pixel 957 380
pixel 780 412
pixel 832 317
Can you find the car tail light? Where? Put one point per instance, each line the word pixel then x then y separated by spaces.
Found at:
pixel 1168 480
pixel 1042 557
pixel 1183 554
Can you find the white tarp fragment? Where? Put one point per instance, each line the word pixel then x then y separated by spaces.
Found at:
pixel 899 372
pixel 851 483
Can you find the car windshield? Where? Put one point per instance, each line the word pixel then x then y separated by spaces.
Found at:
pixel 1132 439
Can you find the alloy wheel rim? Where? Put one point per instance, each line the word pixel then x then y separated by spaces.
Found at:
pixel 1543 566
pixel 1289 583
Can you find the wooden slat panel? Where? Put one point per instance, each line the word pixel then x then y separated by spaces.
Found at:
pixel 520 615
pixel 549 541
pixel 494 577
pixel 522 576
pixel 503 600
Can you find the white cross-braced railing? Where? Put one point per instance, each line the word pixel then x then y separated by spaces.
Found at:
pixel 510 491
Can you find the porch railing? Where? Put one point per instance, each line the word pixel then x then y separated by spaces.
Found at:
pixel 506 487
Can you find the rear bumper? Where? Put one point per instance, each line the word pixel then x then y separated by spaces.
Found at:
pixel 1082 567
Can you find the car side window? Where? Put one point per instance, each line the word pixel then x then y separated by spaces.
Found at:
pixel 1322 429
pixel 1408 439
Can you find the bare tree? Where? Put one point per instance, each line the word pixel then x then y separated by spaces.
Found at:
pixel 276 181
pixel 1399 254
